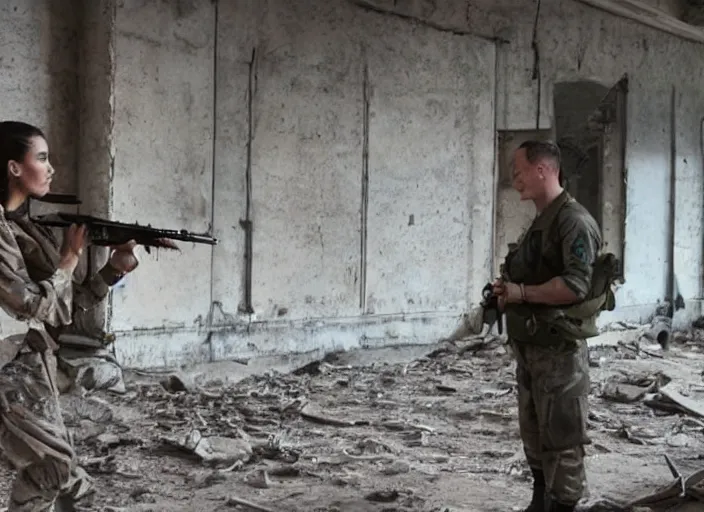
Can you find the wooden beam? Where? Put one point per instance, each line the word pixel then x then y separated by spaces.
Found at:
pixel 651 16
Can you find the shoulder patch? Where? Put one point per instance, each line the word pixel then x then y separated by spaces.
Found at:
pixel 579 248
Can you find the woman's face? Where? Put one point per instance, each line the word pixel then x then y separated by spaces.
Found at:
pixel 33 175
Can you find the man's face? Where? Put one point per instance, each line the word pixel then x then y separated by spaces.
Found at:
pixel 526 176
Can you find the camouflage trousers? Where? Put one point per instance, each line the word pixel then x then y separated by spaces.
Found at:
pixel 33 438
pixel 553 388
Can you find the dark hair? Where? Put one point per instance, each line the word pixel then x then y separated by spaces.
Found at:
pixel 15 141
pixel 537 150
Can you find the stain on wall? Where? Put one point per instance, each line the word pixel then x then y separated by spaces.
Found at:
pixel 427 128
pixel 163 133
pixel 435 96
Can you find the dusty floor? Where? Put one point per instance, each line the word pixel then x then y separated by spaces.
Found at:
pixel 417 432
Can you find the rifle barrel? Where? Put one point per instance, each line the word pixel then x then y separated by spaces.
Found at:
pixel 102 229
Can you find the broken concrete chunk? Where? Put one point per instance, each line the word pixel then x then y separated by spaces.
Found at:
pixel 109 440
pixel 680 441
pixel 76 408
pixel 218 450
pixel 99 371
pixel 372 446
pixel 671 400
pixel 631 388
pixel 87 430
pixel 206 479
pixel 259 479
pixel 615 338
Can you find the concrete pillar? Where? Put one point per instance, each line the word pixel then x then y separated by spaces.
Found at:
pixel 96 149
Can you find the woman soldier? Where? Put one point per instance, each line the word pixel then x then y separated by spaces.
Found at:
pixel 38 285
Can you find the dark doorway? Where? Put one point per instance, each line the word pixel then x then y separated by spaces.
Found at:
pixel 575 103
pixel 590 128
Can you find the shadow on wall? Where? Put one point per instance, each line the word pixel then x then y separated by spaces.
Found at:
pixel 574 104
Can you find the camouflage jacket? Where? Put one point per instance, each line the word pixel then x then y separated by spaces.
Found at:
pixel 40 250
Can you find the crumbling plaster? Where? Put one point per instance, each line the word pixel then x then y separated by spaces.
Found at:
pixel 576 42
pixel 410 98
pixel 38 84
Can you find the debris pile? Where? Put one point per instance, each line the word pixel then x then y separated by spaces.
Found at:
pixel 437 432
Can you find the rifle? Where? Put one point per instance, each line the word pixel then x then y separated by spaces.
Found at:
pixel 491 312
pixel 107 232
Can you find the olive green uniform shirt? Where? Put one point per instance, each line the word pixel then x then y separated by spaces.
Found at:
pixel 563 240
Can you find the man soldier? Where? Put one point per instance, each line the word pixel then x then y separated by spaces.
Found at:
pixel 554 283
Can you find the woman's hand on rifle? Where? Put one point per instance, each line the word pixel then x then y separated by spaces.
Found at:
pixel 123 259
pixel 72 247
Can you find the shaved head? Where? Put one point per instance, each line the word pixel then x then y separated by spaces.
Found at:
pixel 536 171
pixel 545 153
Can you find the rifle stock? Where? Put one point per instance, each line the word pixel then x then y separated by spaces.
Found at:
pixel 108 233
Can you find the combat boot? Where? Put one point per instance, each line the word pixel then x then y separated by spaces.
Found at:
pixel 64 504
pixel 537 503
pixel 560 507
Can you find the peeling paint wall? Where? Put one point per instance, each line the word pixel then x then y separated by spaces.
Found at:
pixel 321 125
pixel 356 138
pixel 360 145
pixel 163 137
pixel 39 61
pixel 577 42
pixel 38 85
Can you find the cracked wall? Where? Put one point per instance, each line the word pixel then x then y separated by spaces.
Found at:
pixel 359 144
pixel 308 103
pixel 577 42
pixel 38 83
pixel 163 138
pixel 355 138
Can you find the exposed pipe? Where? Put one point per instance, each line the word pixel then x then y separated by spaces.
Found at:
pixel 662 326
pixel 660 330
pixel 247 224
pixel 536 65
pixel 645 14
pixel 214 169
pixel 701 151
pixel 670 291
pixel 364 209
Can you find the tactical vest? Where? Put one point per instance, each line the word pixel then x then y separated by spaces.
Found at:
pixel 550 325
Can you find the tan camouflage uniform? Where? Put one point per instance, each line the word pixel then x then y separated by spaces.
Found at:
pixel 87 363
pixel 33 437
pixel 41 252
pixel 553 372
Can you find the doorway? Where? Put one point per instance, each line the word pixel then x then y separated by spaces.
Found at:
pixel 590 129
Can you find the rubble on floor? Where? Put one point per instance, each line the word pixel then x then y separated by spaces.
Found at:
pixel 436 433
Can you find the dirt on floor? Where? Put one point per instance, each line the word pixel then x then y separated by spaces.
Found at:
pixel 414 429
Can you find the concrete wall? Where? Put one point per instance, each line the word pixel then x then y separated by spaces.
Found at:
pixel 313 100
pixel 38 84
pixel 326 108
pixel 163 137
pixel 357 137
